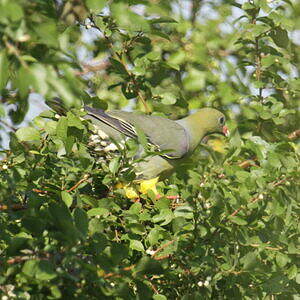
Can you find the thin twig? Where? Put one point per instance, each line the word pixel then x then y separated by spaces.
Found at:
pixel 119 57
pixel 14 207
pixel 163 247
pixel 266 247
pixel 85 177
pixel 40 191
pixel 247 163
pixel 111 274
pixel 18 259
pixel 8 126
pixel 87 68
pixel 255 199
pixel 16 52
pixel 152 285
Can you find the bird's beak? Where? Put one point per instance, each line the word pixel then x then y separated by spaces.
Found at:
pixel 225 131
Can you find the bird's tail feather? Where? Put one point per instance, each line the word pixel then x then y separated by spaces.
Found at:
pixel 57 105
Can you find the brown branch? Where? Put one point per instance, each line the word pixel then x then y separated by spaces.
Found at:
pixel 162 257
pixel 87 68
pixel 119 58
pixel 266 247
pixel 294 135
pixel 195 9
pixel 257 57
pixel 19 259
pixel 141 97
pixel 40 191
pixel 276 183
pixel 12 49
pixel 248 163
pixel 255 199
pixel 8 126
pixel 85 178
pixel 111 274
pixel 163 247
pixel 242 207
pixel 14 207
pixel 152 285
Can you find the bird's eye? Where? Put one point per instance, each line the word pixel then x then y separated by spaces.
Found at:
pixel 222 120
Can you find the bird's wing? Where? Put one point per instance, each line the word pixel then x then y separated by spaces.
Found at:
pixel 165 134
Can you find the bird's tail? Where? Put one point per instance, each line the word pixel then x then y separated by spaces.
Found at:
pixel 57 105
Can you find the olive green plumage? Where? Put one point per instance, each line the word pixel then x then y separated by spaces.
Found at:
pixel 177 139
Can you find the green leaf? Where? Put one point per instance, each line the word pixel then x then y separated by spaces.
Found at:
pixel 62 218
pixel 292 271
pixel 62 128
pixel 238 220
pixel 13 10
pixel 165 216
pixel 282 259
pixel 159 297
pixel 81 221
pixel 114 165
pixel 39 75
pixel 118 67
pixel 141 137
pixel 30 267
pixel 194 81
pixel 136 228
pixel 136 245
pixel 67 198
pixel 162 20
pixel 148 266
pixel 168 98
pixel 99 211
pixel 250 260
pixel 26 134
pixel 127 19
pixel 280 37
pixel 4 73
pixel 74 121
pixel 47 33
pixel 95 6
pixel 154 236
pixel 45 271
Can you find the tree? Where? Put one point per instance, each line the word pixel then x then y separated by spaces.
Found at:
pixel 67 229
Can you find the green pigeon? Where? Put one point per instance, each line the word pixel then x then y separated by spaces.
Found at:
pixel 176 140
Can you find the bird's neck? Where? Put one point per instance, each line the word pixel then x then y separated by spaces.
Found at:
pixel 195 130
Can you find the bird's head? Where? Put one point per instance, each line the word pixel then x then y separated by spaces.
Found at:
pixel 211 120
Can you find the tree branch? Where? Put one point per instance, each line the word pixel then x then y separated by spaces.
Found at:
pixel 294 135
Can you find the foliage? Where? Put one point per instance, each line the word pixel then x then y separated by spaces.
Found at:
pixel 67 229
